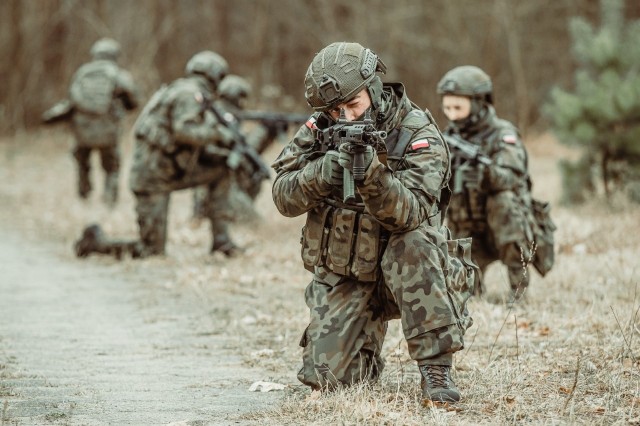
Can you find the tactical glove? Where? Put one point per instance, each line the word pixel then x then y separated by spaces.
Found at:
pixel 331 170
pixel 347 156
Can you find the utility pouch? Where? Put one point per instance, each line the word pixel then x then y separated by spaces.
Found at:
pixel 314 235
pixel 544 228
pixel 462 276
pixel 367 251
pixel 341 241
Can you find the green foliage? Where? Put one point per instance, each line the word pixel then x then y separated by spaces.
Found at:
pixel 602 113
pixel 576 180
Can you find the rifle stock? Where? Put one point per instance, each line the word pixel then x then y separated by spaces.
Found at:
pixel 61 111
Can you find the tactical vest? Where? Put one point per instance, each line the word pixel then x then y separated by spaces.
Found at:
pixel 342 237
pixel 469 197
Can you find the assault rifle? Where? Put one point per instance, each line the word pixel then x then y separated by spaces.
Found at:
pixel 463 150
pixel 466 150
pixel 279 121
pixel 358 134
pixel 242 152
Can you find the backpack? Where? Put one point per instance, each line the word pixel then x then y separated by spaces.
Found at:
pixel 93 87
pixel 544 228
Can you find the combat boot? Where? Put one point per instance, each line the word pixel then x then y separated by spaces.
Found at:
pixel 437 384
pixel 224 245
pixel 88 243
pixel 94 241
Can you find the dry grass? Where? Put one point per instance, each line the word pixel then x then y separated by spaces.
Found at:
pixel 569 355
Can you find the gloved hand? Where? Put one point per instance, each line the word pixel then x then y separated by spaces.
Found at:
pixel 331 171
pixel 347 156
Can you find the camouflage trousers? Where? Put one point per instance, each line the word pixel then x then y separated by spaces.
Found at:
pixel 110 160
pixel 153 209
pixel 504 236
pixel 348 324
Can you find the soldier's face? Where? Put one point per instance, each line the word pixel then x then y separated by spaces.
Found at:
pixel 354 107
pixel 456 107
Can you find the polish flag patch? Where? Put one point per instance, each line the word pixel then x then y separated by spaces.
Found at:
pixel 311 123
pixel 422 143
pixel 509 139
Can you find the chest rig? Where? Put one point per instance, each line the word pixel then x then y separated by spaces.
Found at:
pixel 469 197
pixel 342 237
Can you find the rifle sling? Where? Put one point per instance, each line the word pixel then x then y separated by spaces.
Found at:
pixel 397 142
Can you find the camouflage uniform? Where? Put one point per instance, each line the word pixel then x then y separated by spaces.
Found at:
pixel 232 92
pixel 179 144
pixel 382 257
pixel 101 131
pixel 492 204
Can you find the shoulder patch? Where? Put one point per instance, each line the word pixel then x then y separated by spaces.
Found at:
pixel 420 143
pixel 509 138
pixel 311 123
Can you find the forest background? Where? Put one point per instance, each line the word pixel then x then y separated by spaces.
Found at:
pixel 567 356
pixel 525 46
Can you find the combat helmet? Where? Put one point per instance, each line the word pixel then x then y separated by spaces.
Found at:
pixel 105 48
pixel 209 64
pixel 467 80
pixel 339 71
pixel 234 89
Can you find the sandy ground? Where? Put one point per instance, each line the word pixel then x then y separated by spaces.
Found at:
pixel 179 339
pixel 98 341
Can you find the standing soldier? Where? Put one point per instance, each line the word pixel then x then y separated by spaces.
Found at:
pixel 180 143
pixel 490 203
pixel 99 93
pixel 383 254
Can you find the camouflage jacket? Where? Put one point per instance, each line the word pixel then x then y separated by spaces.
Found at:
pixel 399 192
pixel 179 142
pixel 499 140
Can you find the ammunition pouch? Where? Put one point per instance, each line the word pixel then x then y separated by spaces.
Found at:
pixel 345 241
pixel 462 276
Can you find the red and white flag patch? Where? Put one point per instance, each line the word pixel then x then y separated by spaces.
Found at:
pixel 311 123
pixel 422 143
pixel 509 138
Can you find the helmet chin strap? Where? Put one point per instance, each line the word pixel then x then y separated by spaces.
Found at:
pixel 478 111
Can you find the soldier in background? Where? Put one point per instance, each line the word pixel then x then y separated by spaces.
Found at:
pixel 180 143
pixel 99 94
pixel 492 203
pixel 383 255
pixel 233 92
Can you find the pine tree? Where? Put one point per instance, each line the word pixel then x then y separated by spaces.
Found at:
pixel 602 114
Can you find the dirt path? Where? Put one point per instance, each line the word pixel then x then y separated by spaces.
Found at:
pixel 85 343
